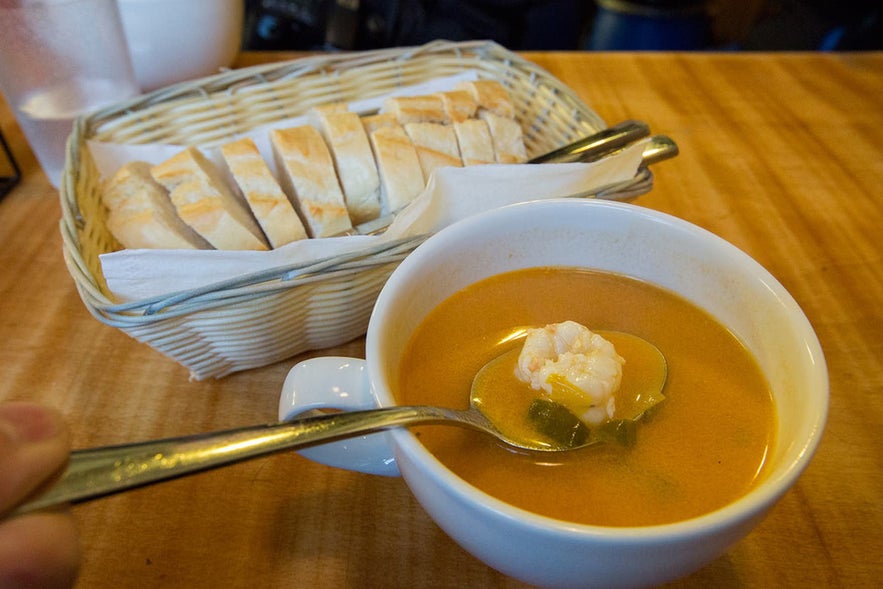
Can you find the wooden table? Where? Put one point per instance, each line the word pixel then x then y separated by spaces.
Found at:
pixel 781 155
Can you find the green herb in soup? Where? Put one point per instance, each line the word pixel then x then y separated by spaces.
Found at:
pixel 556 422
pixel 699 450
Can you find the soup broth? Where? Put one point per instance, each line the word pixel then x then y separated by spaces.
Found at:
pixel 703 447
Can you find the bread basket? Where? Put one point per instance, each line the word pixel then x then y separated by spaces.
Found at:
pixel 269 316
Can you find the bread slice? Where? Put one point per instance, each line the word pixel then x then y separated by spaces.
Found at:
pixel 459 105
pixel 141 215
pixel 271 207
pixel 373 122
pixel 490 95
pixel 330 108
pixel 401 178
pixel 356 170
pixel 474 140
pixel 436 146
pixel 426 108
pixel 205 202
pixel 507 138
pixel 307 174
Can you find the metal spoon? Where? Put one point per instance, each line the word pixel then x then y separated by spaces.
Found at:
pixel 97 472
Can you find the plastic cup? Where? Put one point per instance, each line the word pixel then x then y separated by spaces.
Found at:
pixel 60 59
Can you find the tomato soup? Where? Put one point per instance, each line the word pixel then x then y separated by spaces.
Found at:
pixel 703 447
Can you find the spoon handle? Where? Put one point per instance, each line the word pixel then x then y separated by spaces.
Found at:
pixel 98 472
pixel 597 145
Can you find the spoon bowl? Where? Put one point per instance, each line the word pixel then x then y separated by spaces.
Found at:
pixel 525 419
pixel 98 472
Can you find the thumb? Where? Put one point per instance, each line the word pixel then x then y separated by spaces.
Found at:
pixel 34 445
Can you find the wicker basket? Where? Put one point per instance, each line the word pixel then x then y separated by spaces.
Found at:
pixel 263 318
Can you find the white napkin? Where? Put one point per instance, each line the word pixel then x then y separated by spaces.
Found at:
pixel 450 195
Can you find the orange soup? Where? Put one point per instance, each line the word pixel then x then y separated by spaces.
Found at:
pixel 703 447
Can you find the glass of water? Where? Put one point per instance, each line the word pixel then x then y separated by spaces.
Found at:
pixel 58 60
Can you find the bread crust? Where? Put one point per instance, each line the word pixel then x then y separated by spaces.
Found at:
pixel 436 146
pixel 426 108
pixel 507 138
pixel 271 207
pixel 490 95
pixel 400 172
pixel 306 172
pixel 373 122
pixel 474 140
pixel 141 215
pixel 353 160
pixel 458 104
pixel 206 203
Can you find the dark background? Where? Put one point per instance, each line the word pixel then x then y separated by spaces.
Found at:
pixel 730 25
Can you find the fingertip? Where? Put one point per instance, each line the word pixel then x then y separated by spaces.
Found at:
pixel 24 422
pixel 34 446
pixel 39 550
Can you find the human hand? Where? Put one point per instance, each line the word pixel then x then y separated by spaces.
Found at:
pixel 39 549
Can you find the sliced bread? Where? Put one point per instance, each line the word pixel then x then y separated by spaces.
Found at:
pixel 490 95
pixel 206 203
pixel 401 177
pixel 436 146
pixel 426 108
pixel 459 105
pixel 353 160
pixel 271 207
pixel 141 215
pixel 306 172
pixel 507 138
pixel 474 140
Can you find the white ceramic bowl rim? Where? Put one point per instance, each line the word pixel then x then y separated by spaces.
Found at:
pixel 759 498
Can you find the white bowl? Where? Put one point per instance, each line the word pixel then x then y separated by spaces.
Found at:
pixel 641 243
pixel 176 40
pixel 609 236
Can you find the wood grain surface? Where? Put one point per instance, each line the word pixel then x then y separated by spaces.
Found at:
pixel 781 154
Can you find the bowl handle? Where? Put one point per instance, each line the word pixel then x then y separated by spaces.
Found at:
pixel 338 383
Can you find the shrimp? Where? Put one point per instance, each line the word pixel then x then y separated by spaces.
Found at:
pixel 575 367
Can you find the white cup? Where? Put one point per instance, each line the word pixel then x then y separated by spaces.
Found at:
pixel 174 41
pixel 60 59
pixel 595 234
